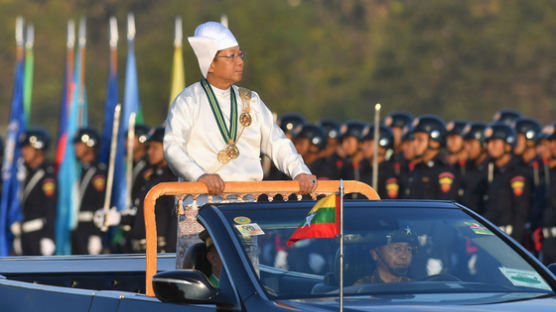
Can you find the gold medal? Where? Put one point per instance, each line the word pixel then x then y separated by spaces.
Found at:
pixel 232 151
pixel 245 119
pixel 223 157
pixel 245 94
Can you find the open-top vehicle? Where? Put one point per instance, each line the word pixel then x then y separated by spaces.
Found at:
pixel 458 262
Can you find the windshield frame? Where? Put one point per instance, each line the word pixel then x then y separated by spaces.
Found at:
pixel 358 204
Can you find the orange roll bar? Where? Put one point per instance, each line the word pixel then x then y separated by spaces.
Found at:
pixel 271 188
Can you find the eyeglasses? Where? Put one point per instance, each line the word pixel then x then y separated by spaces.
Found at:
pixel 233 57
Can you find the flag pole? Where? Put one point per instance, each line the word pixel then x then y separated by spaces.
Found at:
pixel 341 245
pixel 375 152
pixel 110 175
pixel 129 160
pixel 82 43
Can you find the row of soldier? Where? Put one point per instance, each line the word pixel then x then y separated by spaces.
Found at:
pixel 501 170
pixel 35 234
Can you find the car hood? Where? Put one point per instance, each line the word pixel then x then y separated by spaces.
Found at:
pixel 374 304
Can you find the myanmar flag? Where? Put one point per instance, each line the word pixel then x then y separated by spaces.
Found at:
pixel 323 221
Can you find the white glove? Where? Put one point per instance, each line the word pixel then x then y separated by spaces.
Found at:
pixel 47 247
pixel 16 228
pixel 17 246
pixel 95 245
pixel 111 216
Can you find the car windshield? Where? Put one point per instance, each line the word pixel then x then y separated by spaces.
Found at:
pixel 387 251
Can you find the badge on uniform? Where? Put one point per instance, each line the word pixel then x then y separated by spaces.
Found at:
pixel 392 187
pixel 446 179
pixel 48 187
pixel 517 184
pixel 98 182
pixel 147 174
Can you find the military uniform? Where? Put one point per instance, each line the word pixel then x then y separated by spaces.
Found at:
pixel 388 183
pixel 38 204
pixel 509 199
pixel 86 237
pixel 375 279
pixel 134 223
pixel 549 224
pixel 474 185
pixel 433 179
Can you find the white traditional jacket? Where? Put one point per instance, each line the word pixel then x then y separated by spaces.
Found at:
pixel 192 139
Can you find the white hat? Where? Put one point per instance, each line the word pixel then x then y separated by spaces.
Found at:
pixel 209 38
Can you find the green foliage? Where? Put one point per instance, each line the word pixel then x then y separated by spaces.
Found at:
pixel 457 59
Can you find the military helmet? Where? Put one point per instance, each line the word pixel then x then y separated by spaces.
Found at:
pixel 407 133
pixel 506 116
pixel 529 127
pixel 432 125
pixel 474 131
pixel 549 132
pixel 352 128
pixel 88 136
pixel 291 122
pixel 142 133
pixel 455 127
pixel 37 138
pixel 156 134
pixel 398 119
pixel 385 135
pixel 314 134
pixel 331 128
pixel 500 130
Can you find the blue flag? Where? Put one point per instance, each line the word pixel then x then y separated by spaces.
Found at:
pixel 68 175
pixel 12 165
pixel 131 105
pixel 112 96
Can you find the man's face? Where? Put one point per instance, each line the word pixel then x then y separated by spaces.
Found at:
pixel 302 145
pixel 473 148
pixel 496 148
pixel 80 150
pixel 155 152
pixel 520 144
pixel 227 66
pixel 397 131
pixel 28 154
pixel 407 148
pixel 454 143
pixel 420 143
pixel 350 145
pixel 553 147
pixel 368 148
pixel 393 256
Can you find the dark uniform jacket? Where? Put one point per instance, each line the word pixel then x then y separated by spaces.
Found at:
pixel 38 203
pixel 388 184
pixel 92 190
pixel 433 179
pixel 474 185
pixel 509 198
pixel 166 218
pixel 332 168
pixel 549 223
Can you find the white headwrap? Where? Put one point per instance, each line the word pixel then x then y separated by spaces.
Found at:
pixel 208 39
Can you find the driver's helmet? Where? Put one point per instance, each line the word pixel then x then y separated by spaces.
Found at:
pixel 404 234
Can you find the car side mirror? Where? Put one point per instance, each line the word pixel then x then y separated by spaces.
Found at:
pixel 552 268
pixel 185 286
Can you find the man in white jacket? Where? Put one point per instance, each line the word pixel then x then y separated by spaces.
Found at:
pixel 216 131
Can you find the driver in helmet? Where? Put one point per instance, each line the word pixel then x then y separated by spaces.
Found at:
pixel 393 258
